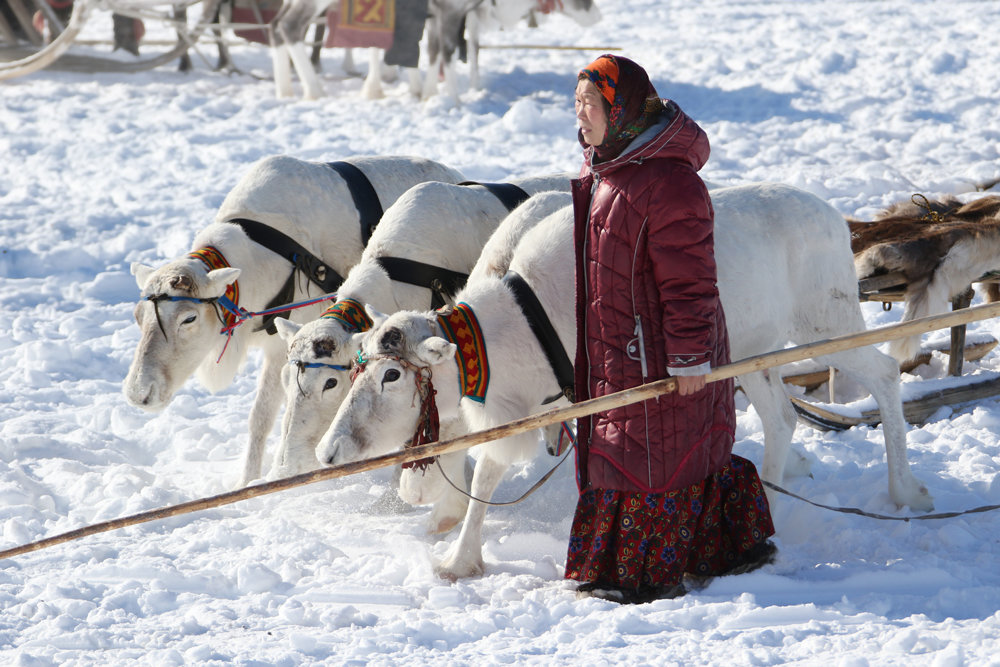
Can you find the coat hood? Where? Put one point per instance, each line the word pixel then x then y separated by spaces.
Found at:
pixel 675 137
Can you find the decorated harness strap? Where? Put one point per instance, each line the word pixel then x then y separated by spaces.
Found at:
pixel 213 259
pixel 461 327
pixel 351 314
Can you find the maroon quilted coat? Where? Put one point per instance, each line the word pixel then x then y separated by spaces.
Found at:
pixel 647 302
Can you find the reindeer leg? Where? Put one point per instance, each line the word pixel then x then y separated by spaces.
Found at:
pixel 415 82
pixel 451 505
pixel 465 558
pixel 314 57
pixel 372 88
pixel 778 419
pixel 431 80
pixel 184 64
pixel 879 374
pixel 267 402
pixel 225 61
pixel 312 89
pixel 282 71
pixel 472 31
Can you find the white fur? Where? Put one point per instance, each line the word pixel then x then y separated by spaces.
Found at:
pixel 307 201
pixel 785 273
pixel 444 27
pixel 520 379
pixel 436 223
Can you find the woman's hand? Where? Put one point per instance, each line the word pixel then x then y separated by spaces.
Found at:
pixel 689 384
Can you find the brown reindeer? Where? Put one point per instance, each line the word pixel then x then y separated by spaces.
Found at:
pixel 940 247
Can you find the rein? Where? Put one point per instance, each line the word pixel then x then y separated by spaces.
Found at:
pixel 534 487
pixel 234 315
pixel 227 308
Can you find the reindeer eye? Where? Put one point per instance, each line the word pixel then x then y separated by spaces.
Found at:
pixel 190 319
pixel 391 375
pixel 330 384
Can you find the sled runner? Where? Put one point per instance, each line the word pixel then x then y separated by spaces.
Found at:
pixel 35 34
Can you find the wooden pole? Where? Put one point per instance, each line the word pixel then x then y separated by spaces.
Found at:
pixel 634 395
pixel 550 47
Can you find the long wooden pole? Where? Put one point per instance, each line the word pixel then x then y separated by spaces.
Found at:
pixel 550 47
pixel 750 364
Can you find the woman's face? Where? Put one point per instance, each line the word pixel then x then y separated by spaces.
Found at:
pixel 590 115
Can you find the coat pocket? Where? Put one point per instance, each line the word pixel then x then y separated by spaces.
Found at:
pixel 636 348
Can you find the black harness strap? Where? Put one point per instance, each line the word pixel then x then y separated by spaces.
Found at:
pixel 321 274
pixel 324 276
pixel 510 195
pixel 441 282
pixel 546 334
pixel 444 282
pixel 365 198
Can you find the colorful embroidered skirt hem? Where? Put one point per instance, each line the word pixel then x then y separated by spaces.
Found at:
pixel 633 540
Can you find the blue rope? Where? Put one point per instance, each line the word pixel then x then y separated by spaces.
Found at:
pixel 316 364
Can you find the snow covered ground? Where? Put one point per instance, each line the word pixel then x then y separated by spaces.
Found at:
pixel 861 102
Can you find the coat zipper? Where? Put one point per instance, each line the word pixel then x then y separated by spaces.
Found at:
pixel 635 313
pixel 642 349
pixel 586 239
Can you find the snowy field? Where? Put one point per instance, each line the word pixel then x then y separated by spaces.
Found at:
pixel 862 103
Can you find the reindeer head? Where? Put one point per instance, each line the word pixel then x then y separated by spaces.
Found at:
pixel 382 408
pixel 176 335
pixel 315 380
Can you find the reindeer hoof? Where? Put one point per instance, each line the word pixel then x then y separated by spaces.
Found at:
pixel 453 571
pixel 922 501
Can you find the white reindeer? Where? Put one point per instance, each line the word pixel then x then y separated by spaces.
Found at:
pixel 288 32
pixel 438 224
pixel 309 202
pixel 449 17
pixel 785 273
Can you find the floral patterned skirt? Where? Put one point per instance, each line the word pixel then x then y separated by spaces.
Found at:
pixel 632 540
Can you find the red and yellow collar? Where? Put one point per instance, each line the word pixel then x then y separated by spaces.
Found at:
pixel 351 314
pixel 213 259
pixel 460 326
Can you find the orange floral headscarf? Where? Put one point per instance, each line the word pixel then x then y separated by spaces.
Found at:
pixel 633 104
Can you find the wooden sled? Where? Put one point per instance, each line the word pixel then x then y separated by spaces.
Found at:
pixel 933 395
pixel 22 53
pixel 82 63
pixel 974 351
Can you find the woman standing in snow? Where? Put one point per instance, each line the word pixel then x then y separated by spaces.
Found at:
pixel 661 494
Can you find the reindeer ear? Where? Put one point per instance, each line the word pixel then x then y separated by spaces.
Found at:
pixel 218 279
pixel 377 317
pixel 358 340
pixel 434 350
pixel 142 272
pixel 286 329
